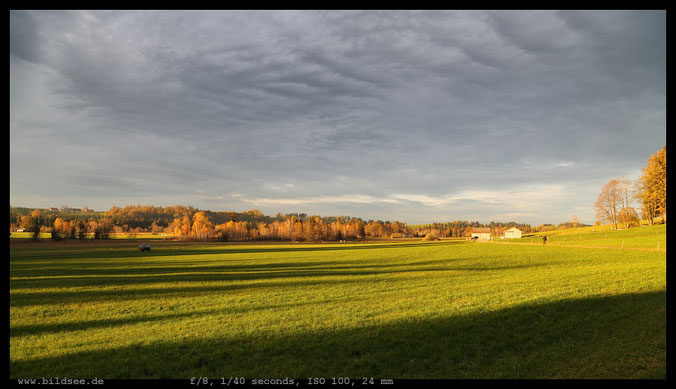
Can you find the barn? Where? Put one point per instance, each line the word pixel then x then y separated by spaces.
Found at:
pixel 513 233
pixel 481 233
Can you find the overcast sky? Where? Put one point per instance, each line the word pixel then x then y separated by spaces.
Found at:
pixel 397 115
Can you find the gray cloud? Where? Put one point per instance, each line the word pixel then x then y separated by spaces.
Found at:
pixel 222 109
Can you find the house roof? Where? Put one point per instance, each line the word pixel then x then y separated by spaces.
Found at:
pixel 514 229
pixel 481 229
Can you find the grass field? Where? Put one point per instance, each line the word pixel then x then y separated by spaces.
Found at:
pixel 449 309
pixel 645 237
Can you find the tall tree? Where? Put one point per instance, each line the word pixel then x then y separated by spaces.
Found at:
pixel 625 188
pixel 609 202
pixel 202 229
pixel 36 223
pixel 652 186
pixel 81 230
pixel 361 230
pixel 60 229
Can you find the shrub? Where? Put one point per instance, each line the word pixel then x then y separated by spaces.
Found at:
pixel 431 236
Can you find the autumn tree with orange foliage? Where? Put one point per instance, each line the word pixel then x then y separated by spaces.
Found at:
pixel 180 227
pixel 651 187
pixel 62 229
pixel 201 229
pixel 628 217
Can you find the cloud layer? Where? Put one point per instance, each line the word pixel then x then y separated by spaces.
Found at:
pixel 408 115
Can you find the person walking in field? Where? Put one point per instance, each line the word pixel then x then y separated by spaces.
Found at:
pixel 544 239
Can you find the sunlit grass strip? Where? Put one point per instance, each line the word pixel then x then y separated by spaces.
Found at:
pixel 647 237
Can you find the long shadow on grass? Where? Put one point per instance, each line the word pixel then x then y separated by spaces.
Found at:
pixel 129 262
pixel 28 299
pixel 164 272
pixel 160 268
pixel 192 284
pixel 605 337
pixel 97 253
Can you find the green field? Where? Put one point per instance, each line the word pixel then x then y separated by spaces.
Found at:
pixel 449 309
pixel 645 237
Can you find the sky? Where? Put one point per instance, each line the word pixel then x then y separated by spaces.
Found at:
pixel 415 116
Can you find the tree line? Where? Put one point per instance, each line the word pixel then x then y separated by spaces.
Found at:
pixel 649 191
pixel 189 223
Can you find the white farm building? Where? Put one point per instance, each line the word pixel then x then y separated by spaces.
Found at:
pixel 481 233
pixel 513 233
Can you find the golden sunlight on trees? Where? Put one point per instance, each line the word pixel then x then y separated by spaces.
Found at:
pixel 255 212
pixel 628 217
pixel 62 229
pixel 431 237
pixel 202 229
pixel 614 202
pixel 180 227
pixel 35 223
pixel 651 187
pixel 26 222
pixel 188 223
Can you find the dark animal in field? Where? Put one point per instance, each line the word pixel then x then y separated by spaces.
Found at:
pixel 144 247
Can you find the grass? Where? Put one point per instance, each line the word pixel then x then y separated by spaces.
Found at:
pixel 644 237
pixel 449 309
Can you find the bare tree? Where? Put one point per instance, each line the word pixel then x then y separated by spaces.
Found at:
pixel 609 202
pixel 625 188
